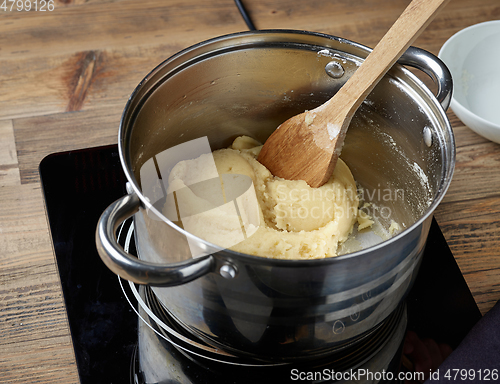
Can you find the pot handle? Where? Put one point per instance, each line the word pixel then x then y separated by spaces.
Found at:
pixel 435 68
pixel 132 268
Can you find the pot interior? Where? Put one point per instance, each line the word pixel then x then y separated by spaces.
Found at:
pixel 397 147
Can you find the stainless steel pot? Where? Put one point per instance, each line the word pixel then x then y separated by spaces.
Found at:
pixel 400 149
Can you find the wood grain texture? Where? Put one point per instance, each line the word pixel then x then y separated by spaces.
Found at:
pixel 9 168
pixel 65 77
pixel 34 341
pixel 82 129
pixel 67 66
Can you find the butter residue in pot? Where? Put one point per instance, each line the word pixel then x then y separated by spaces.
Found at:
pixel 292 220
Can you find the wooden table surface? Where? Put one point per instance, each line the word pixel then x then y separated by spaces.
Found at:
pixel 65 75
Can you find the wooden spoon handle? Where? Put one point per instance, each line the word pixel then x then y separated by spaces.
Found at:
pixel 404 31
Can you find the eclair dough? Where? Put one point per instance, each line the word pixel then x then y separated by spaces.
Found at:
pixel 294 220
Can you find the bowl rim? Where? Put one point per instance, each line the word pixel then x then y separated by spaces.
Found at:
pixel 454 102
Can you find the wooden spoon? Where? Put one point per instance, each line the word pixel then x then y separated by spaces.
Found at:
pixel 307 146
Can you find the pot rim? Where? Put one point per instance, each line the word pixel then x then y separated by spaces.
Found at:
pixel 448 163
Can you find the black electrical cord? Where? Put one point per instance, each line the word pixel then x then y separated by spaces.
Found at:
pixel 245 15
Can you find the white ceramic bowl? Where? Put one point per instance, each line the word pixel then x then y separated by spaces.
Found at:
pixel 473 57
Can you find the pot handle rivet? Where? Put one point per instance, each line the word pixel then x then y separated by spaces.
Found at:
pixel 129 188
pixel 427 136
pixel 228 271
pixel 334 69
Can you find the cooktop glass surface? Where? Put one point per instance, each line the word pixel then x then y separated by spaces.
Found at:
pixel 79 185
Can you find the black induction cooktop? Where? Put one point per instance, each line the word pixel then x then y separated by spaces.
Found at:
pixel 79 185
